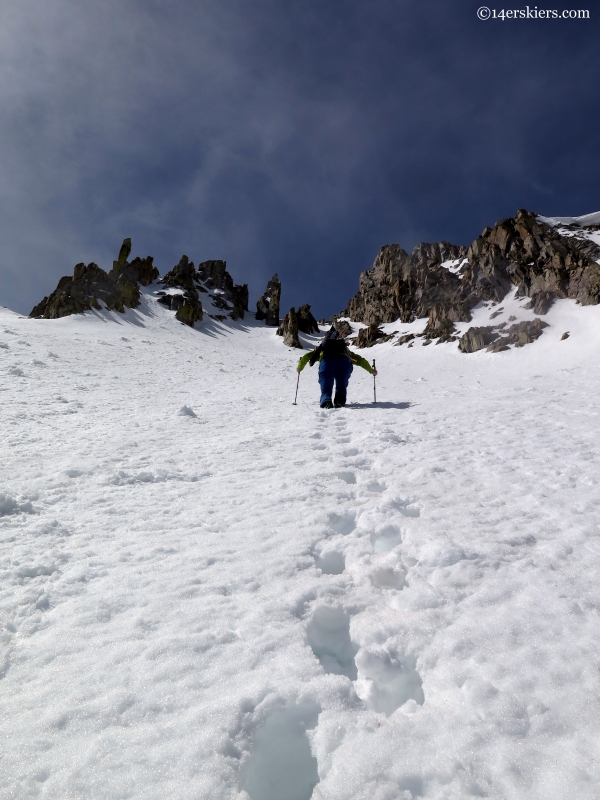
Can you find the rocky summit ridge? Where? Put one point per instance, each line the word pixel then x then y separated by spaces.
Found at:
pixel 544 259
pixel 180 290
pixel 90 284
pixel 90 287
pixel 539 259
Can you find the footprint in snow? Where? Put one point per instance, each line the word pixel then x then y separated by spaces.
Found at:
pixel 281 765
pixel 342 523
pixel 331 562
pixel 388 578
pixel 328 634
pixel 387 680
pixel 405 507
pixel 386 539
pixel 347 477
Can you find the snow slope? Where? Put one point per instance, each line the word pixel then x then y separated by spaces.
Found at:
pixel 207 592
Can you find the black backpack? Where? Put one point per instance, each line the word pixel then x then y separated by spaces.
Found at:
pixel 334 346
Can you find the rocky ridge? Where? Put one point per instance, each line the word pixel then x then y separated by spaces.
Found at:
pixel 444 282
pixel 536 258
pixel 90 285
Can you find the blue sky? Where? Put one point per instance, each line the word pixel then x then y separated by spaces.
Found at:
pixel 290 137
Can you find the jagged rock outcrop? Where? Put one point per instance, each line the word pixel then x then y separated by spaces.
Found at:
pixel 186 303
pixel 525 252
pixel 477 338
pixel 120 288
pixel 295 321
pixel 226 294
pixel 306 322
pixel 367 337
pixel 90 285
pixel 442 317
pixel 405 287
pixel 212 278
pixel 267 307
pixel 288 328
pixel 124 251
pixel 522 251
pixel 496 339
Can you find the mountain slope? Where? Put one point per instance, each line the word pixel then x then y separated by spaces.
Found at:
pixel 211 593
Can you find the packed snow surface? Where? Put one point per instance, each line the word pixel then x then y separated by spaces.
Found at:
pixel 208 592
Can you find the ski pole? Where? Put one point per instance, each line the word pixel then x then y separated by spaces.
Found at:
pixel 297 384
pixel 374 387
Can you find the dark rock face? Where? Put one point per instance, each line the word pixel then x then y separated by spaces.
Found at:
pixel 120 288
pixel 496 339
pixel 117 289
pixel 267 307
pixel 210 278
pixel 533 256
pixel 186 304
pixel 477 338
pixel 408 337
pixel 442 317
pixel 124 251
pixel 343 328
pixel 143 270
pixel 399 286
pixel 367 337
pixel 306 322
pixel 295 321
pixel 234 298
pixel 289 329
pixel 521 251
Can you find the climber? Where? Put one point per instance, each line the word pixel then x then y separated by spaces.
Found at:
pixel 336 362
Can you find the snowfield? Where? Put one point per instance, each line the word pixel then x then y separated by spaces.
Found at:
pixel 208 592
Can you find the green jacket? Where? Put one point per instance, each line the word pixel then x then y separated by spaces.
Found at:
pixel 354 358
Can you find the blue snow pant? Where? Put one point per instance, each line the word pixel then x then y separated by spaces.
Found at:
pixel 336 369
